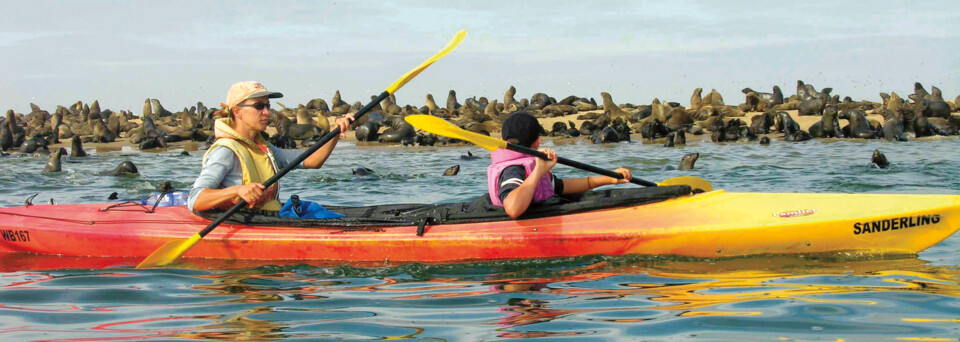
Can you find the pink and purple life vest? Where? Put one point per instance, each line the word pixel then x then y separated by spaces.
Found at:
pixel 501 159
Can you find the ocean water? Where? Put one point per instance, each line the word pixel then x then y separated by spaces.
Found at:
pixel 649 298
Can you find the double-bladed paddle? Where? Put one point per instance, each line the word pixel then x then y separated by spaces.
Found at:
pixel 442 127
pixel 172 250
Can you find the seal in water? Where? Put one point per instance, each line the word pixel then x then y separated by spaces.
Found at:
pixel 880 160
pixel 686 163
pixel 452 171
pixel 53 163
pixel 76 147
pixel 126 168
pixel 362 171
pixel 468 156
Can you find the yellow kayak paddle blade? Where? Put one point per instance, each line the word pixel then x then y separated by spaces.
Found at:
pixel 441 127
pixel 413 73
pixel 695 183
pixel 169 252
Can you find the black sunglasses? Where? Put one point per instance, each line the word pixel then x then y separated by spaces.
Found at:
pixel 256 105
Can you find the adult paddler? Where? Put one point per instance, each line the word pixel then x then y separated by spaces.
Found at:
pixel 240 160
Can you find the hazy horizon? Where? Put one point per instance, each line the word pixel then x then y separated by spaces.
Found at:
pixel 120 53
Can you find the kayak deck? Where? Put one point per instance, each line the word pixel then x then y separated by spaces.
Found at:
pixel 714 224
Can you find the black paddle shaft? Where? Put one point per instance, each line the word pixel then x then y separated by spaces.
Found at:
pixel 576 164
pixel 323 141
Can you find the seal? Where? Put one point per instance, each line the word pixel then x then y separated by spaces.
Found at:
pixel 686 162
pixel 814 105
pixel 452 171
pixel 6 137
pixel 362 171
pixel 559 129
pixel 147 110
pixel 153 139
pixel 606 135
pixel 892 125
pixel 100 131
pixel 399 132
pixel 18 133
pixel 785 123
pixel 304 118
pixel 53 162
pixel 95 107
pixel 158 110
pixel 431 104
pixel 318 104
pixel 452 104
pixel 696 100
pixel 368 131
pixel 390 106
pixel 76 148
pixel 623 130
pixel 583 104
pixel 126 168
pixel 113 123
pixel 760 124
pixel 828 126
pixel 34 144
pixel 573 132
pixel 652 129
pixel 677 119
pixel 713 99
pixel 428 139
pixel 943 126
pixel 508 98
pixel 491 110
pixel 468 156
pixel 858 126
pixel 297 131
pixel 555 110
pixel 338 106
pixel 675 138
pixel 879 160
pixel 934 108
pixel 770 99
pixel 798 136
pixel 919 92
pixel 538 101
pixel 764 140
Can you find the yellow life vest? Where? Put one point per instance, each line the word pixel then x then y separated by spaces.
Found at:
pixel 256 164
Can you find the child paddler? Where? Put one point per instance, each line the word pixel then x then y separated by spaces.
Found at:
pixel 515 180
pixel 240 160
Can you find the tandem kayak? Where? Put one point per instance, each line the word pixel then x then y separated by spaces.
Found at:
pixel 666 220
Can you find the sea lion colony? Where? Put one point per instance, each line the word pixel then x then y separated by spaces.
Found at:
pixel 921 114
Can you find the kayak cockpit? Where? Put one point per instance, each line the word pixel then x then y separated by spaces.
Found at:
pixel 479 210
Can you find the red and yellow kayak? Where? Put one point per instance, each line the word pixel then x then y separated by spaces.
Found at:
pixel 709 225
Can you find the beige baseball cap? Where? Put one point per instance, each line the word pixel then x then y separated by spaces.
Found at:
pixel 241 91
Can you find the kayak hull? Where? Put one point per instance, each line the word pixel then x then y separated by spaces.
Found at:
pixel 717 224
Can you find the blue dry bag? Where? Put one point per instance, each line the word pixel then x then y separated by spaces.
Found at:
pixel 297 208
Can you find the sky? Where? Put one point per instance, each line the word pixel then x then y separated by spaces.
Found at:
pixel 181 52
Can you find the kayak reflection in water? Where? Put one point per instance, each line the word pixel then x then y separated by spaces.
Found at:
pixel 515 180
pixel 241 160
